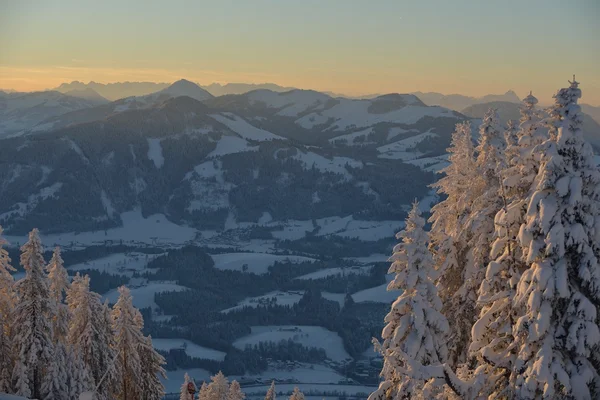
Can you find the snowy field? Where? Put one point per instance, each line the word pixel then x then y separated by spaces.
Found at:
pixel 154 229
pixel 377 294
pixel 118 263
pixel 309 373
pixel 324 273
pixel 191 348
pixel 257 263
pixel 284 390
pixel 282 299
pixel 175 378
pixel 144 296
pixel 309 336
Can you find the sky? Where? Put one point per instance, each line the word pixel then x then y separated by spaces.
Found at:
pixel 354 47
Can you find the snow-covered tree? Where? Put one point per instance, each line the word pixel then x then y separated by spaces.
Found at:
pixel 296 394
pixel 152 362
pixel 127 326
pixel 271 393
pixel 56 383
pixel 184 393
pixel 218 387
pixel 461 186
pixel 7 302
pixel 235 392
pixel 415 327
pixel 80 379
pixel 90 333
pixel 203 392
pixel 59 284
pixel 33 344
pixel 557 335
pixel 478 233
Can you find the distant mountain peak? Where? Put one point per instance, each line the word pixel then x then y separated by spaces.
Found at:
pixel 183 87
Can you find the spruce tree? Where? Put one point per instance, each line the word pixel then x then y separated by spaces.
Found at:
pixel 235 391
pixel 203 392
pixel 7 303
pixel 91 334
pixel 449 240
pixel 218 387
pixel 297 394
pixel 271 393
pixel 33 346
pixel 415 328
pixel 152 368
pixel 127 326
pixel 557 335
pixel 59 284
pixel 184 393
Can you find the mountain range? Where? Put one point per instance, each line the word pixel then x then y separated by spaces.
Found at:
pixel 256 160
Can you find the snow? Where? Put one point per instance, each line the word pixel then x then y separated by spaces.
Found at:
pixel 258 263
pixel 4 396
pixel 349 138
pixel 350 390
pixel 153 229
pixel 155 153
pixel 309 336
pixel 175 378
pixel 107 204
pixel 281 298
pixel 336 165
pixel 293 230
pixel 291 103
pixel 363 230
pixel 324 273
pixel 143 297
pixel 119 263
pixel 244 129
pixel 191 348
pixel 377 294
pixel 352 114
pixel 430 164
pixel 377 257
pixel 230 145
pixel 302 372
pixel 404 149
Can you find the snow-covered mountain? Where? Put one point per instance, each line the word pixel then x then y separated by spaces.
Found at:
pixel 21 111
pixel 226 161
pixel 177 89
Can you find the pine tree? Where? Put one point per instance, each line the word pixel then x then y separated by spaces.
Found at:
pixel 557 334
pixel 59 284
pixel 218 387
pixel 127 326
pixel 297 394
pixel 152 362
pixel 184 394
pixel 235 392
pixel 33 344
pixel 416 329
pixel 91 334
pixel 7 303
pixel 271 393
